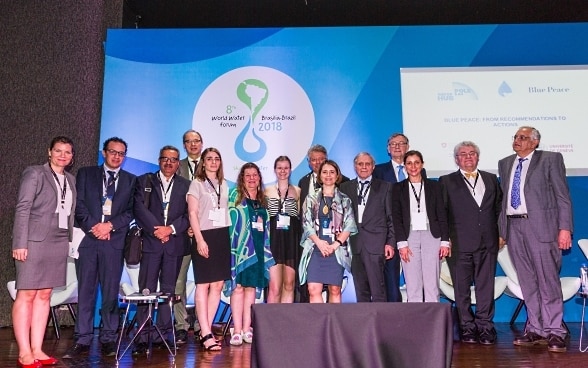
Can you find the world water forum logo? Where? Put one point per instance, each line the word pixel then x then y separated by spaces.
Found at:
pixel 255 114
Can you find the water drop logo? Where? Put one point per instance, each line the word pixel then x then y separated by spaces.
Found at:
pixel 256 114
pixel 253 93
pixel 504 89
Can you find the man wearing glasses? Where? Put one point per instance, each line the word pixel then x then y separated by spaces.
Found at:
pixel 473 200
pixel 393 172
pixel 193 146
pixel 536 221
pixel 164 221
pixel 103 212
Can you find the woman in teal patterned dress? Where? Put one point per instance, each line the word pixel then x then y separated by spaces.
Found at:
pixel 251 257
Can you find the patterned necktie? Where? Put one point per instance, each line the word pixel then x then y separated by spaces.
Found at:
pixel 363 188
pixel 401 175
pixel 515 194
pixel 110 184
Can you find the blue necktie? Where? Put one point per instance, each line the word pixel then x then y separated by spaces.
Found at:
pixel 110 184
pixel 401 175
pixel 515 194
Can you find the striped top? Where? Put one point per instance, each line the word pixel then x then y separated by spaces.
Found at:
pixel 289 205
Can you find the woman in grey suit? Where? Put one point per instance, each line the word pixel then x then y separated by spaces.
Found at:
pixel 42 229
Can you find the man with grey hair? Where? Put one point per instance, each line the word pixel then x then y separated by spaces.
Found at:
pixel 193 146
pixel 375 242
pixel 164 221
pixel 536 221
pixel 473 198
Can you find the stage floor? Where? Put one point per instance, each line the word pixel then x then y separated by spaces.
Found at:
pixel 503 354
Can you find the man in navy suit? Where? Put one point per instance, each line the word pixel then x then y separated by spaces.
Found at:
pixel 393 172
pixel 375 242
pixel 103 211
pixel 473 200
pixel 164 221
pixel 536 221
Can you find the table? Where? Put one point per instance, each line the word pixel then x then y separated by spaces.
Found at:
pixel 152 300
pixel 375 335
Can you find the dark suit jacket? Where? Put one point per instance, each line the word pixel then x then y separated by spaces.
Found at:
pixel 546 194
pixel 435 209
pixel 149 217
pixel 184 169
pixel 89 184
pixel 376 228
pixel 386 172
pixel 472 227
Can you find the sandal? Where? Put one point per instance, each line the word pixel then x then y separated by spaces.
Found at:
pixel 212 347
pixel 248 337
pixel 237 339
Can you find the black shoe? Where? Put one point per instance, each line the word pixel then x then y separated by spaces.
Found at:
pixel 181 337
pixel 488 337
pixel 556 344
pixel 140 348
pixel 468 336
pixel 529 339
pixel 109 348
pixel 75 351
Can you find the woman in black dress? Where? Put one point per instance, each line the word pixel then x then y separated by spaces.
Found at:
pixel 283 201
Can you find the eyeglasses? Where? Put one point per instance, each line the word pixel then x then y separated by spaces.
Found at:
pixel 521 137
pixel 116 153
pixel 193 141
pixel 173 160
pixel 397 144
pixel 467 154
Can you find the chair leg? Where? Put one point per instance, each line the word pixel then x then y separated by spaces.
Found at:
pixel 517 311
pixel 72 311
pixel 228 325
pixel 55 323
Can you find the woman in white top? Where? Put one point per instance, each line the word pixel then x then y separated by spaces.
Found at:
pixel 207 207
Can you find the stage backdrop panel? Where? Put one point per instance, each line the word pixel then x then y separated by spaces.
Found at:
pixel 258 93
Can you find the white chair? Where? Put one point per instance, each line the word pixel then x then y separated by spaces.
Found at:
pixel 66 295
pixel 583 243
pixel 569 285
pixel 446 285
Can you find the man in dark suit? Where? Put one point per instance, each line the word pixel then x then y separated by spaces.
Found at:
pixel 536 220
pixel 393 172
pixel 317 154
pixel 473 199
pixel 193 146
pixel 103 211
pixel 374 243
pixel 164 221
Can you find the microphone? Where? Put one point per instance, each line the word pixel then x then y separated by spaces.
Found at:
pixel 146 292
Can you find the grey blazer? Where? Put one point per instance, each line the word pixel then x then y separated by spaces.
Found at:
pixel 546 194
pixel 184 169
pixel 37 198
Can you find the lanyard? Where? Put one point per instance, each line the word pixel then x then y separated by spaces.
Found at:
pixel 325 207
pixel 218 194
pixel 419 196
pixel 281 203
pixel 163 190
pixel 470 184
pixel 64 189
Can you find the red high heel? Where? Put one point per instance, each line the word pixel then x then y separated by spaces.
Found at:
pixel 34 364
pixel 48 361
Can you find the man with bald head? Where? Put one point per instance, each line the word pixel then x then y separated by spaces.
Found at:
pixel 536 221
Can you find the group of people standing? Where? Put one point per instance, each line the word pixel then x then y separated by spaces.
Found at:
pixel 251 237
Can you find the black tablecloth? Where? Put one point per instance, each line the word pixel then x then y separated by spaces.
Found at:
pixel 370 335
